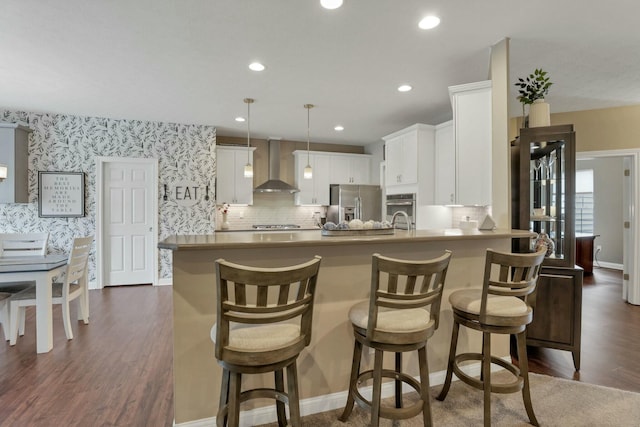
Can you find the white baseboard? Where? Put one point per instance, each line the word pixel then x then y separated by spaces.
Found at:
pixel 329 402
pixel 167 281
pixel 611 265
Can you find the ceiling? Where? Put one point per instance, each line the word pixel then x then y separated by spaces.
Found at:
pixel 186 61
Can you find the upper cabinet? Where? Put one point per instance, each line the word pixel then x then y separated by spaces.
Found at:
pixel 231 185
pixel 445 158
pixel 14 146
pixel 447 164
pixel 328 168
pixel 473 142
pixel 350 168
pixel 404 151
pixel 314 191
pixel 401 149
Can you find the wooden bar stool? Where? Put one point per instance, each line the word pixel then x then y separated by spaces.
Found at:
pixel 264 318
pixel 400 316
pixel 499 307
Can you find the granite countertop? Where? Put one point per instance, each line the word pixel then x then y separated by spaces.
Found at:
pixel 289 238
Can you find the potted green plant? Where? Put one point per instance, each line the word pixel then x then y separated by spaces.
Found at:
pixel 532 91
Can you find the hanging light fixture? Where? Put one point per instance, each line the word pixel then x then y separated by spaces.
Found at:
pixel 248 168
pixel 308 172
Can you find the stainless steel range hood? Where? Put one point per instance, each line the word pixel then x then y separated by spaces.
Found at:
pixel 274 184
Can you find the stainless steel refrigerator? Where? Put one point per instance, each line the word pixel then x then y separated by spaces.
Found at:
pixel 349 202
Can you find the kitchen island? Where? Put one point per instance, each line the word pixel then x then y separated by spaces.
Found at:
pixel 344 279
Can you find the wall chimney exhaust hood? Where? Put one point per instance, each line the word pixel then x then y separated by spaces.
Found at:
pixel 274 184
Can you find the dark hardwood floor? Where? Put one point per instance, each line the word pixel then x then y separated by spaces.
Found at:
pixel 610 338
pixel 117 371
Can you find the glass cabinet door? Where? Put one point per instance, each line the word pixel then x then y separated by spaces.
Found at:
pixel 548 197
pixel 547 193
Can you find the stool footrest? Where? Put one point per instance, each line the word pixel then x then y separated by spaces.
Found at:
pixel 387 412
pixel 510 387
pixel 264 393
pixel 257 393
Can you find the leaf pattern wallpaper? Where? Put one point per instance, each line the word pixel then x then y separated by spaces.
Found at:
pixel 71 144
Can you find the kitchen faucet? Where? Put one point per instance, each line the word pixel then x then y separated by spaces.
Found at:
pixel 406 219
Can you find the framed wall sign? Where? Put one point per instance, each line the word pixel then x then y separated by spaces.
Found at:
pixel 60 194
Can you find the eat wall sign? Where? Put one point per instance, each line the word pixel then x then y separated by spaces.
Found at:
pixel 186 193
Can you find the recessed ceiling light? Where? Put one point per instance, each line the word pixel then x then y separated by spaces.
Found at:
pixel 256 66
pixel 404 88
pixel 240 119
pixel 429 22
pixel 331 4
pixel 339 128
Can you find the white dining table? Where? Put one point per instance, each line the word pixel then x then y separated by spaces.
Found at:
pixel 42 270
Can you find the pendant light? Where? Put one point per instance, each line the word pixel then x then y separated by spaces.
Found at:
pixel 248 168
pixel 308 172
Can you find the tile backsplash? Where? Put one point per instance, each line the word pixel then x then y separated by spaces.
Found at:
pixel 438 217
pixel 274 208
pixel 279 208
pixel 475 213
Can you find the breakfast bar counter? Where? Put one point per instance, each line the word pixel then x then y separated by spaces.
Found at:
pixel 344 279
pixel 294 238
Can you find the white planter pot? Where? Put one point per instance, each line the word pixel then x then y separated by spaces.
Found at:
pixel 539 114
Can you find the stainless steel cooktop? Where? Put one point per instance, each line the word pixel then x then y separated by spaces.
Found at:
pixel 275 226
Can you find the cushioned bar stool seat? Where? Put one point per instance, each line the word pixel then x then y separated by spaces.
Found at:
pixel 264 318
pixel 401 314
pixel 499 307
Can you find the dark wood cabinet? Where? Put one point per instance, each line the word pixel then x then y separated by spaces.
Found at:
pixel 543 200
pixel 557 311
pixel 584 251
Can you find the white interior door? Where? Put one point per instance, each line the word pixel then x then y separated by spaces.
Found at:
pixel 128 222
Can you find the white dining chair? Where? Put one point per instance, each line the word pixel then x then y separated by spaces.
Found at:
pixel 23 244
pixel 74 286
pixel 4 313
pixel 18 245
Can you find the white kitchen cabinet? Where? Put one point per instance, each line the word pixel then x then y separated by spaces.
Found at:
pixel 231 185
pixel 314 191
pixel 445 161
pixel 409 162
pixel 350 168
pixel 473 142
pixel 402 163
